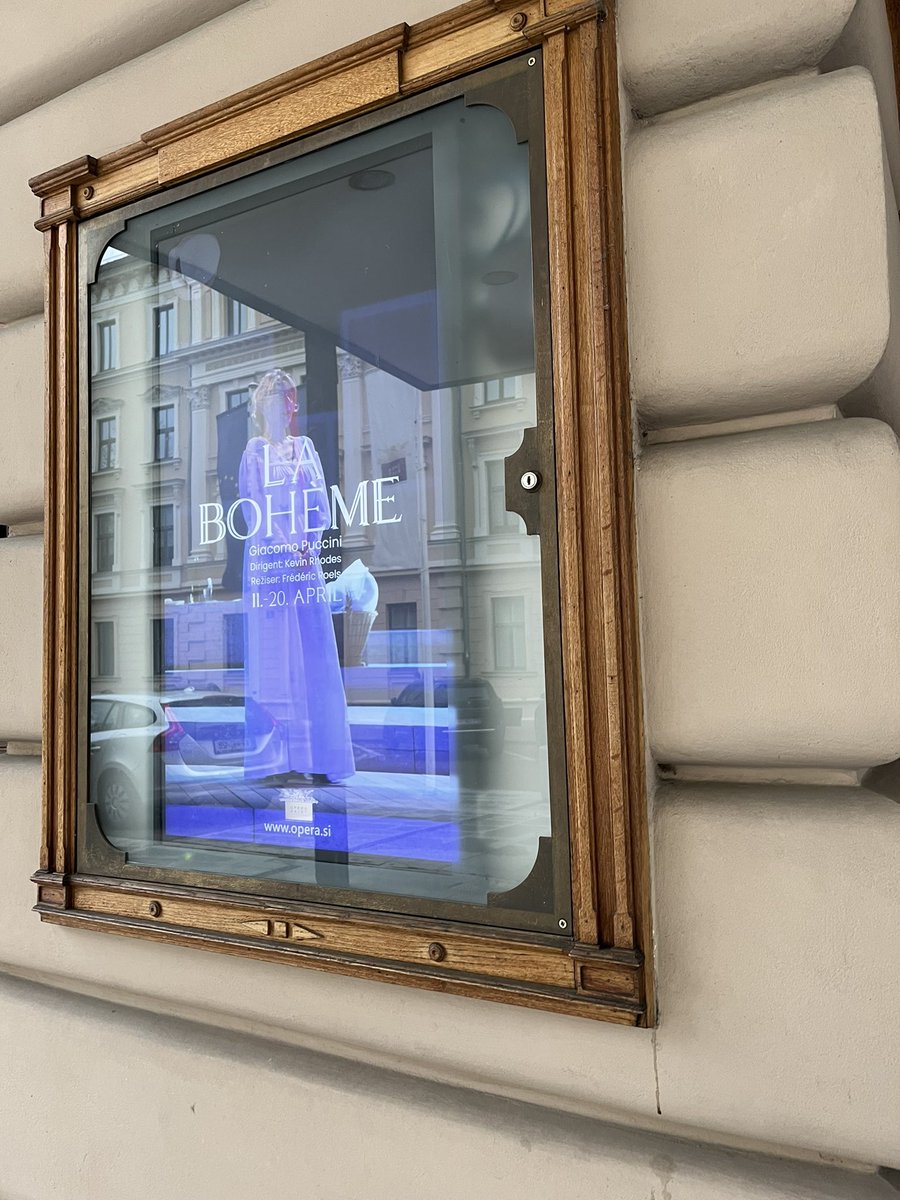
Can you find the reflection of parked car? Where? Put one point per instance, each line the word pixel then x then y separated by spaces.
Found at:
pixel 190 736
pixel 480 718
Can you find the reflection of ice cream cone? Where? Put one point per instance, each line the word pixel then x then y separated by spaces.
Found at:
pixel 356 632
pixel 298 804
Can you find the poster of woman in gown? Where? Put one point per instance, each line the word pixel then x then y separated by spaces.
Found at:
pixel 292 666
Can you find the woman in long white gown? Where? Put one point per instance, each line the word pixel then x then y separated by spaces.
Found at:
pixel 292 667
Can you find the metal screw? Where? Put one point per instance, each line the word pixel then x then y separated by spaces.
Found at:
pixel 530 480
pixel 518 21
pixel 532 61
pixel 86 193
pixel 563 923
pixel 155 908
pixel 436 952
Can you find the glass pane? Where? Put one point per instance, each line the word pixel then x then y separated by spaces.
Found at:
pixel 320 622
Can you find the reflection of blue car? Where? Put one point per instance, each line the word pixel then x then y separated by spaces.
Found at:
pixel 424 732
pixel 392 738
pixel 478 715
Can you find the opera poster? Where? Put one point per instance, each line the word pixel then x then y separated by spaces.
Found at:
pixel 316 622
pixel 306 607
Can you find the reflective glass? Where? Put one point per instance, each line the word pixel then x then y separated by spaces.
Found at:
pixel 317 626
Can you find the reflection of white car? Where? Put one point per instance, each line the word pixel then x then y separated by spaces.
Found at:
pixel 138 742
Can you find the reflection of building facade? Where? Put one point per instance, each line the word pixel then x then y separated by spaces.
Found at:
pixel 169 357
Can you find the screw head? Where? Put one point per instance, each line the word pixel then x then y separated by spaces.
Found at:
pixel 436 952
pixel 532 61
pixel 563 923
pixel 518 21
pixel 154 908
pixel 86 193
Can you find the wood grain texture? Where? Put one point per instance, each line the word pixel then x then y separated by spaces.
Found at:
pixel 302 99
pixel 600 646
pixel 287 83
pixel 53 894
pixel 893 15
pixel 266 123
pixel 71 172
pixel 442 26
pixel 569 492
pixel 623 979
pixel 60 573
pixel 504 959
pixel 622 441
pixel 600 471
pixel 57 204
pixel 127 181
pixel 554 8
pixel 605 976
pixel 598 1009
pixel 427 55
pixel 472 965
pixel 49 675
pixel 440 48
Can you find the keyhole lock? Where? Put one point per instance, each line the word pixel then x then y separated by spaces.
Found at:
pixel 530 481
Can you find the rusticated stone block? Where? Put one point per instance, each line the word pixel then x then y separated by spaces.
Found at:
pixel 769 575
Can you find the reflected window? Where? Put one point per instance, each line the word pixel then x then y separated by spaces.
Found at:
pixel 104 649
pixel 396 469
pixel 499 519
pixel 133 716
pixel 163 330
pixel 162 633
pixel 105 542
pixel 234 640
pixel 163 516
pixel 164 432
pixel 237 397
pixel 101 715
pixel 403 623
pixel 510 632
pixel 106 443
pixel 107 345
pixel 237 318
pixel 501 389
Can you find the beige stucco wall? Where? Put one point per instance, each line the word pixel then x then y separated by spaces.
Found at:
pixel 22 460
pixel 674 52
pixel 207 1114
pixel 761 257
pixel 772 632
pixel 757 232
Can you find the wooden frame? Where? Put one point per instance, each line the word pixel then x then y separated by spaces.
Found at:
pixel 893 16
pixel 602 971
